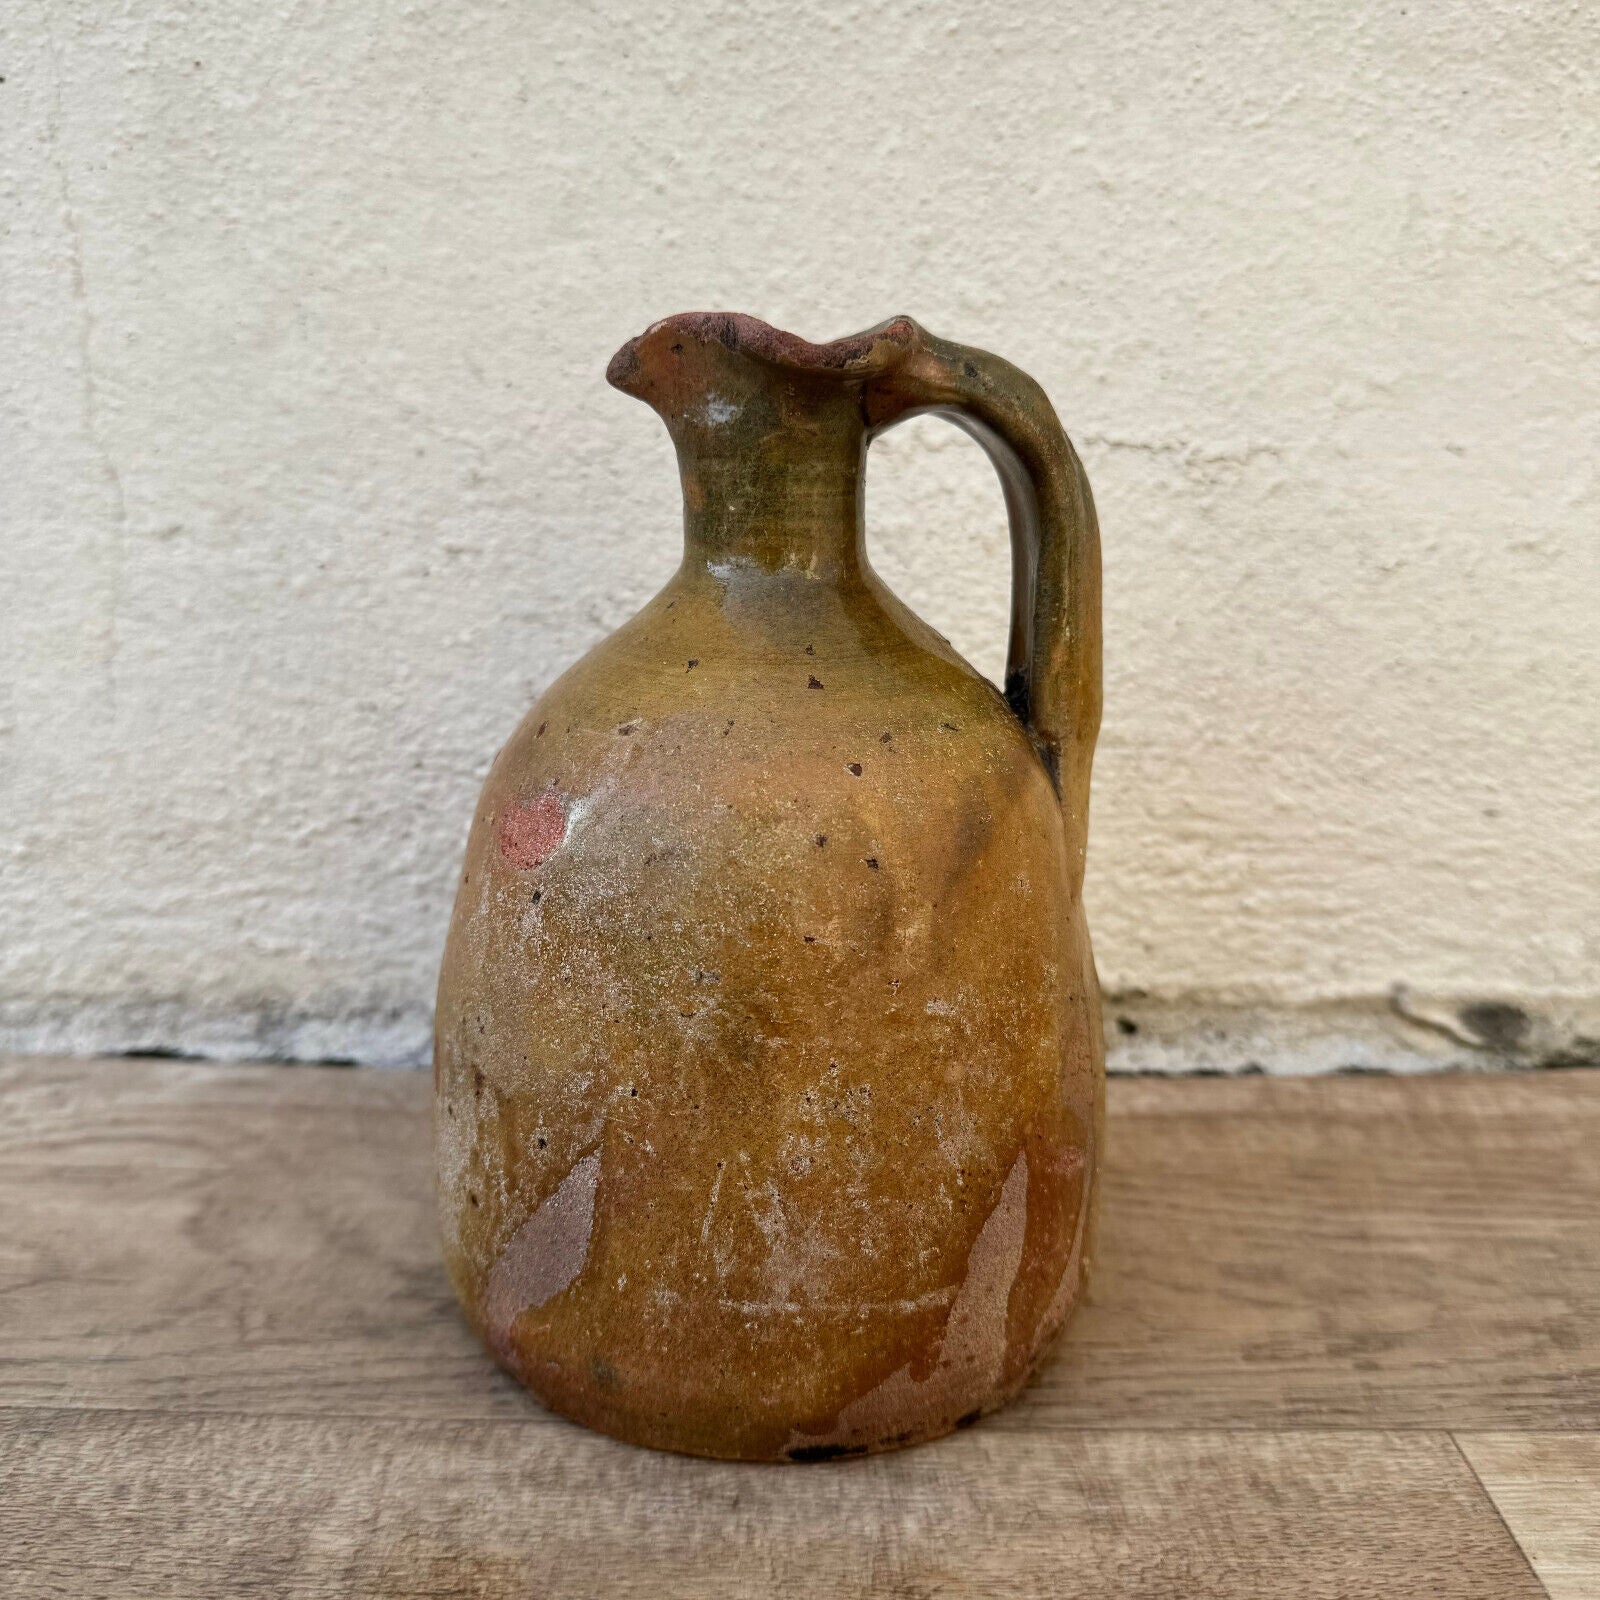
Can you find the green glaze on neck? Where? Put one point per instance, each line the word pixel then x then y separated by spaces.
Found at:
pixel 771 435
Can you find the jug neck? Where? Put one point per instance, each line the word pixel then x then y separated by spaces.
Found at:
pixel 786 502
pixel 771 438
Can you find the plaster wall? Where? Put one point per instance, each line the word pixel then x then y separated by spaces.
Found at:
pixel 312 482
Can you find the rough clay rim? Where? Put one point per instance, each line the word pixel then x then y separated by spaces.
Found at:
pixel 865 354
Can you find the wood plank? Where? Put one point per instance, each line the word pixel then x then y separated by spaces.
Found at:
pixel 1547 1487
pixel 1353 1252
pixel 1349 1251
pixel 96 1503
pixel 195 1236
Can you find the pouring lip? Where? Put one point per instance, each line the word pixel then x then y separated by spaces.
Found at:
pixel 857 355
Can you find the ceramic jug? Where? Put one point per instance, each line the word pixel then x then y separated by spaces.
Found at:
pixel 769 1069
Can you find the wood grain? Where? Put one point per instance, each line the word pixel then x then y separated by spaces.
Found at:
pixel 191 1236
pixel 1353 1251
pixel 1327 1315
pixel 1347 1252
pixel 107 1503
pixel 1547 1487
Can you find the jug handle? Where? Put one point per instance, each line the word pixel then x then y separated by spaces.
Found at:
pixel 1053 660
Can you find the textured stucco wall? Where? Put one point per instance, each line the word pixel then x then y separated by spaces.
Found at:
pixel 312 480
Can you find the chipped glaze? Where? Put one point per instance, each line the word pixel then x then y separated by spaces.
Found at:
pixel 768 1065
pixel 530 831
pixel 543 1256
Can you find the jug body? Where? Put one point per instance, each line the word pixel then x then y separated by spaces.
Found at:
pixel 768 1061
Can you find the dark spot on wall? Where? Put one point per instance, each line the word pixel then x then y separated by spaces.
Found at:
pixel 813 683
pixel 1127 1025
pixel 811 649
pixel 872 861
pixel 543 1142
pixel 1500 1026
pixel 854 769
pixel 950 727
pixel 473 1200
pixel 542 727
pixel 884 738
pixel 694 661
pixel 538 895
pixel 627 728
pixel 822 839
pixel 970 370
pixel 1581 1052
pixel 810 938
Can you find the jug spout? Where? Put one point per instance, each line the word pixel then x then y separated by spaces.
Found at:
pixel 770 432
pixel 650 365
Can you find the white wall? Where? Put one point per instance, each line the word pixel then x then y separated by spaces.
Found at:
pixel 312 480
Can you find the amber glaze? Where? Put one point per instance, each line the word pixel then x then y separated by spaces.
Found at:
pixel 769 1067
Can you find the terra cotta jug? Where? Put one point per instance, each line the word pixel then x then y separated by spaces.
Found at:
pixel 769 1070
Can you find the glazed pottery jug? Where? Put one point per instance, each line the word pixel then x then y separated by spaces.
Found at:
pixel 769 1072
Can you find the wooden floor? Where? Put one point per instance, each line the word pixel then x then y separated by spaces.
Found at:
pixel 1345 1341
